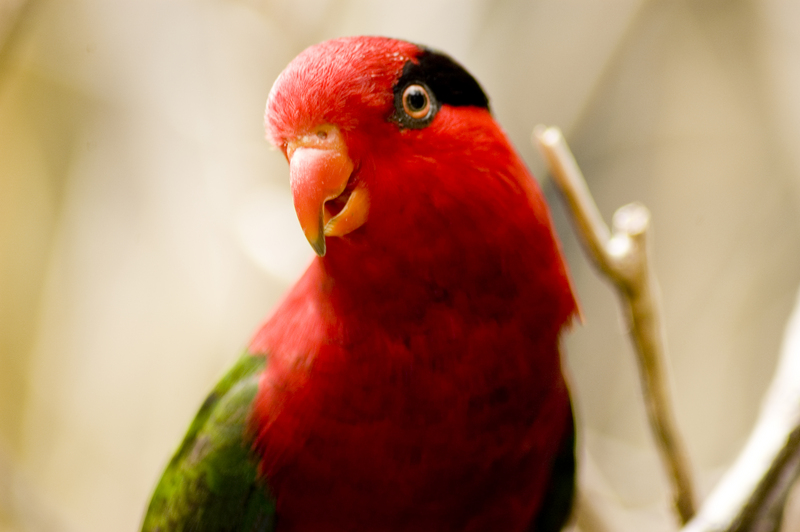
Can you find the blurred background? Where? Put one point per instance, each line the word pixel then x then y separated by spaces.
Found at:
pixel 146 228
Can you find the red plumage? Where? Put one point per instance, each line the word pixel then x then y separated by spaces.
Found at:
pixel 414 380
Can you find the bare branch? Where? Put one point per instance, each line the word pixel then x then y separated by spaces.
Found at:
pixel 622 256
pixel 752 493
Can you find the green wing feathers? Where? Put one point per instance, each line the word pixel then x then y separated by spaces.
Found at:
pixel 211 483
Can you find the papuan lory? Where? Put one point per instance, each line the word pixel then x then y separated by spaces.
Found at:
pixel 410 380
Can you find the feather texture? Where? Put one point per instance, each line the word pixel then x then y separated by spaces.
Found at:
pixel 414 378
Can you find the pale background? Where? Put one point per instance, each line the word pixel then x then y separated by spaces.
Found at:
pixel 146 228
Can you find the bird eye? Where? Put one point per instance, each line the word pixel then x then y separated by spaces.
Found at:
pixel 415 105
pixel 416 102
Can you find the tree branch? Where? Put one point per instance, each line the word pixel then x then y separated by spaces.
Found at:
pixel 752 494
pixel 622 256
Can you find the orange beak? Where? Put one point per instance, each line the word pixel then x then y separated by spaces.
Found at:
pixel 319 174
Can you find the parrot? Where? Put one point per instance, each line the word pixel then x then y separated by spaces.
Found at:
pixel 411 379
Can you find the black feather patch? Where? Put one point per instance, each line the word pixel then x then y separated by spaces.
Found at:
pixel 449 83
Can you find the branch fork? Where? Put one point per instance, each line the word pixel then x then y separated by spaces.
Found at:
pixel 752 494
pixel 622 256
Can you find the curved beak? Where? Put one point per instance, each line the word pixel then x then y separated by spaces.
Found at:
pixel 326 202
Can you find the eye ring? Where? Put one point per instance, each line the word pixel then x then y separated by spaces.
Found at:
pixel 415 105
pixel 417 102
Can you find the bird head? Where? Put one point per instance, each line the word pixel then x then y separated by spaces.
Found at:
pixel 349 108
pixel 406 186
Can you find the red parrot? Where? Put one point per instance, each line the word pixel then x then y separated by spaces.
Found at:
pixel 411 379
